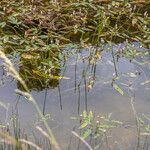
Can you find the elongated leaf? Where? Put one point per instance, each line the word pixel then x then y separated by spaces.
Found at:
pixel 147 41
pixel 117 88
pixel 60 77
pixel 3 105
pixel 2 24
pixel 40 74
pixel 83 125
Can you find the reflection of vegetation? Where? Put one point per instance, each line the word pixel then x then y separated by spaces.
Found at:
pixel 39 71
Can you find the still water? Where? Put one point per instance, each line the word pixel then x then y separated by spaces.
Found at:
pixel 69 98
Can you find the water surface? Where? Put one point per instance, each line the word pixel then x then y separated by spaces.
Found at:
pixel 69 97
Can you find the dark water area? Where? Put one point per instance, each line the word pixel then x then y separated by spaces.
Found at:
pixel 69 97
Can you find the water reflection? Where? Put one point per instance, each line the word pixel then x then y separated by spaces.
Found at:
pixel 39 71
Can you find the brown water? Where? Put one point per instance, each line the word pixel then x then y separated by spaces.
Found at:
pixel 64 102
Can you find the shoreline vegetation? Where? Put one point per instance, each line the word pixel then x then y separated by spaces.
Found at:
pixel 37 31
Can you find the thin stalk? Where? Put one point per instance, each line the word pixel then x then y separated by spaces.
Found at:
pixel 85 89
pixel 75 82
pixel 114 61
pixel 82 140
pixel 45 98
pixel 60 99
pixel 79 98
pixel 137 123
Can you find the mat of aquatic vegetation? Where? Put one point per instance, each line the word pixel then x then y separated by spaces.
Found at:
pixel 26 25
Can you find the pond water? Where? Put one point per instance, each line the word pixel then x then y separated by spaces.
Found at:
pixel 69 97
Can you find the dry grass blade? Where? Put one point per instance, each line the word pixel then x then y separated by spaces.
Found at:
pixel 11 140
pixel 42 131
pixel 30 143
pixel 146 82
pixel 7 138
pixel 146 134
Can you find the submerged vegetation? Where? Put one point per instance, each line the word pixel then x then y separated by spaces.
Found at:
pixel 38 37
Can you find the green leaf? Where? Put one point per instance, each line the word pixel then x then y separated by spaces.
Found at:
pixel 13 20
pixel 147 41
pixel 90 114
pixel 40 74
pixel 91 27
pixel 2 24
pixel 84 114
pixel 117 88
pixel 5 39
pixel 147 128
pixel 87 133
pixel 83 125
pixel 43 36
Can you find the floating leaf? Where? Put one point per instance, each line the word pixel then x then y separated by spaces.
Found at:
pixel 133 75
pixel 3 105
pixel 59 77
pixel 117 88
